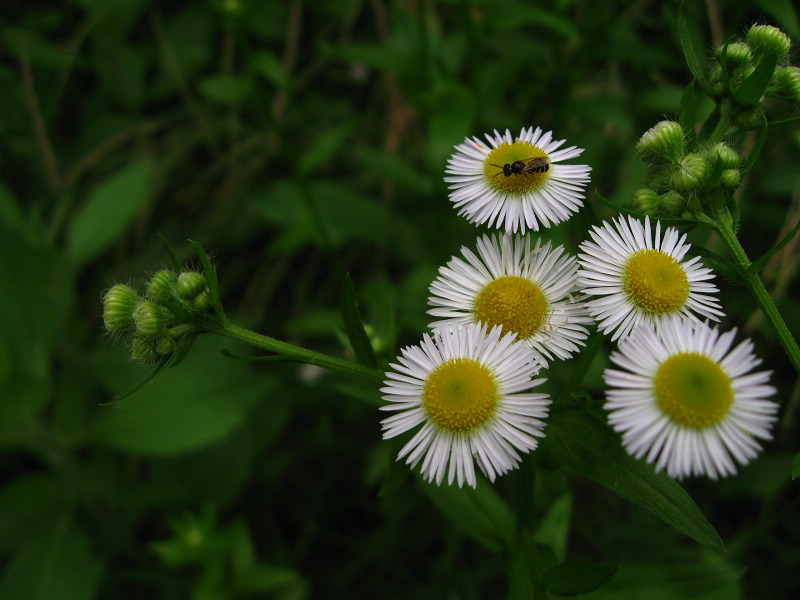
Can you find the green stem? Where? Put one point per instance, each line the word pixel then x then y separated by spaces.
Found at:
pixel 289 350
pixel 726 119
pixel 753 281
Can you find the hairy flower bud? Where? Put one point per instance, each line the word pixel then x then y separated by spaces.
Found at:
pixel 724 154
pixel 730 178
pixel 161 286
pixel 737 53
pixel 119 303
pixel 786 84
pixel 190 285
pixel 674 204
pixel 765 39
pixel 690 174
pixel 646 201
pixel 662 142
pixel 149 319
pixel 143 350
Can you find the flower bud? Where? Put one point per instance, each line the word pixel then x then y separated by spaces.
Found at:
pixel 119 303
pixel 690 174
pixel 662 142
pixel 724 154
pixel 730 178
pixel 737 53
pixel 190 285
pixel 165 346
pixel 646 201
pixel 674 203
pixel 766 39
pixel 149 319
pixel 202 301
pixel 786 83
pixel 161 286
pixel 144 350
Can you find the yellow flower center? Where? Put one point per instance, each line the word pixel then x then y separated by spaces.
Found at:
pixel 656 282
pixel 517 168
pixel 460 395
pixel 693 390
pixel 515 303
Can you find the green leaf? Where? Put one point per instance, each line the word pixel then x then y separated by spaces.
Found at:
pixel 183 409
pixel 173 257
pixel 354 326
pixel 693 49
pixel 108 211
pixel 211 278
pixel 784 12
pixel 54 564
pixel 553 529
pixel 796 466
pixel 226 89
pixel 750 92
pixel 687 117
pixel 10 212
pixel 759 263
pixel 480 513
pixel 322 149
pixel 271 68
pixel 666 582
pixel 572 578
pixel 527 562
pixel 721 265
pixel 580 439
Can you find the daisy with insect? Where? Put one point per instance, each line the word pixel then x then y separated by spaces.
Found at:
pixel 686 401
pixel 637 276
pixel 529 291
pixel 516 184
pixel 470 392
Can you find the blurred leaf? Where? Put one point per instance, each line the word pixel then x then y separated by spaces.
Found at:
pixel 571 578
pixel 10 213
pixel 581 440
pixel 184 408
pixel 752 89
pixel 518 15
pixel 322 149
pixel 28 503
pixel 796 466
pixel 270 67
pixel 784 12
pixel 354 326
pixel 527 562
pixel 693 49
pixel 665 581
pixel 226 89
pixel 553 529
pixel 761 262
pixel 108 211
pixel 53 564
pixel 480 513
pixel 451 120
pixel 391 167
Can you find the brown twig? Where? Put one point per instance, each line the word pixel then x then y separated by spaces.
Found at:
pixel 289 54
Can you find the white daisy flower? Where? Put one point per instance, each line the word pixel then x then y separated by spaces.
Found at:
pixel 688 402
pixel 527 291
pixel 469 391
pixel 637 278
pixel 516 183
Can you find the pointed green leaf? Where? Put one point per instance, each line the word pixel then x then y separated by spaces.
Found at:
pixel 211 277
pixel 572 578
pixel 174 257
pixel 528 560
pixel 762 260
pixel 687 117
pixel 354 326
pixel 580 439
pixel 721 265
pixel 480 513
pixel 693 49
pixel 752 88
pixel 108 211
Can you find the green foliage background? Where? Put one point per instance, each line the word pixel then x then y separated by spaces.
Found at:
pixel 299 141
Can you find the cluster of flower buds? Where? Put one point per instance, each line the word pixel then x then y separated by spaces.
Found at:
pixel 679 176
pixel 158 322
pixel 737 61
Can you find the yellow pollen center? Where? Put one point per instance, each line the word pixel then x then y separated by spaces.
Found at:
pixel 520 182
pixel 693 390
pixel 460 395
pixel 656 282
pixel 515 303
